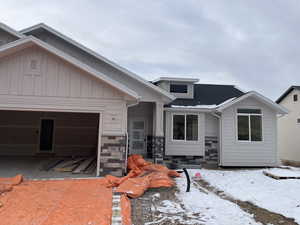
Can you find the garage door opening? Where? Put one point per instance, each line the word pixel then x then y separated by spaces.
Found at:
pixel 48 144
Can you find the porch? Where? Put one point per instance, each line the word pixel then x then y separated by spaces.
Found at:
pixel 145 130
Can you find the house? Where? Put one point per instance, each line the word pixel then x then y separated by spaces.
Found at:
pixel 59 98
pixel 289 127
pixel 219 123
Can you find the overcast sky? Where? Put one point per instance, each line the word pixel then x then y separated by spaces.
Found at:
pixel 253 44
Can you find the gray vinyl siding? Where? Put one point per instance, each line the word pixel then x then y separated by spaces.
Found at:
pixel 187 148
pixel 6 37
pixel 236 153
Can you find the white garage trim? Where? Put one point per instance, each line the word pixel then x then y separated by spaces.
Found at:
pixel 99 145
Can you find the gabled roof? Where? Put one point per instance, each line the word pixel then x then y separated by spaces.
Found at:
pixel 209 94
pixel 100 57
pixel 177 79
pixel 11 31
pixel 31 41
pixel 278 108
pixel 287 92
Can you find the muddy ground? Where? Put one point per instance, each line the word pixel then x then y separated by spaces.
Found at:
pixel 149 209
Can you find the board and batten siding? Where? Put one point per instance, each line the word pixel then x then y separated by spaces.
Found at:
pixel 146 94
pixel 236 153
pixel 187 148
pixel 33 79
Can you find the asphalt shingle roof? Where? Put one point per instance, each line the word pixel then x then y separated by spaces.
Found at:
pixel 209 94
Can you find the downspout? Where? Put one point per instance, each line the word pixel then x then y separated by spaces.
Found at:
pixel 126 134
pixel 220 136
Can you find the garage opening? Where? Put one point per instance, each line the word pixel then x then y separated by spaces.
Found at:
pixel 48 144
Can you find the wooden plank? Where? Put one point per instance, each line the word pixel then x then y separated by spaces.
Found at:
pixel 279 177
pixel 84 165
pixel 68 164
pixel 51 164
pixel 67 169
pixel 91 169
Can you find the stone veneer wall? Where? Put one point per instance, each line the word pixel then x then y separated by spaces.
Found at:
pixel 113 155
pixel 149 146
pixel 158 149
pixel 211 148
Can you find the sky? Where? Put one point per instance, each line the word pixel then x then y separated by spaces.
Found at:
pixel 252 44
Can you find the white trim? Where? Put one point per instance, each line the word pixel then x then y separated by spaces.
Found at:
pixel 185 140
pixel 99 144
pixel 11 31
pixel 186 109
pixel 249 124
pixel 40 132
pixel 73 61
pixel 179 79
pixel 280 109
pixel 100 57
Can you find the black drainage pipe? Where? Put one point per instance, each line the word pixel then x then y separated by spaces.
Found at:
pixel 188 180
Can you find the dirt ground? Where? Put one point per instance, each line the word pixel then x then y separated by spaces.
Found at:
pixel 260 214
pixel 149 210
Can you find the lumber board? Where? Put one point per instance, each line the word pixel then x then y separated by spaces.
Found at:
pixel 84 165
pixel 51 164
pixel 91 169
pixel 69 163
pixel 277 177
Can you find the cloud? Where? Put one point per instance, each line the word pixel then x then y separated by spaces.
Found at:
pixel 252 44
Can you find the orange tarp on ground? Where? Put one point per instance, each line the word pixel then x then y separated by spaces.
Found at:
pixel 80 201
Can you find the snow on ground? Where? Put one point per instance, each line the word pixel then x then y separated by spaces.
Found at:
pixel 279 196
pixel 212 210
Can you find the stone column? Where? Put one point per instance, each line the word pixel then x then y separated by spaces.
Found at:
pixel 112 155
pixel 158 142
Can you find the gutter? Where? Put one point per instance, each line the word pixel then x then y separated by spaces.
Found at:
pixel 220 136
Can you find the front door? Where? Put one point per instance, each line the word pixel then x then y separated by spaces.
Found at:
pixel 46 135
pixel 137 137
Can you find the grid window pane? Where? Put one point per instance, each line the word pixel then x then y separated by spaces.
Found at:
pixel 178 88
pixel 191 127
pixel 178 127
pixel 249 111
pixel 256 128
pixel 243 128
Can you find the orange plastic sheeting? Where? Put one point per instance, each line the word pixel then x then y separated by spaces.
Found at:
pixel 6 184
pixel 125 210
pixel 57 202
pixel 82 201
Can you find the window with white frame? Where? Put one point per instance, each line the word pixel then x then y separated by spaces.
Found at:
pixel 185 127
pixel 249 125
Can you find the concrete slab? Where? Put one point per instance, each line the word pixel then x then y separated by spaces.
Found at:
pixel 30 167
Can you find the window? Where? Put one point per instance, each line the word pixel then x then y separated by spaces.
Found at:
pixel 249 124
pixel 185 127
pixel 295 97
pixel 178 88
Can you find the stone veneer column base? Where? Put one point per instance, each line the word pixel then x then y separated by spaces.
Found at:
pixel 158 148
pixel 211 148
pixel 112 155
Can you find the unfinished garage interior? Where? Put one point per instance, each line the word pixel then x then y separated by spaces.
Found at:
pixel 30 141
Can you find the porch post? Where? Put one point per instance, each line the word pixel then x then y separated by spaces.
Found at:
pixel 99 145
pixel 158 136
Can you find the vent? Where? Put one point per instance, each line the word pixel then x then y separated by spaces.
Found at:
pixel 33 64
